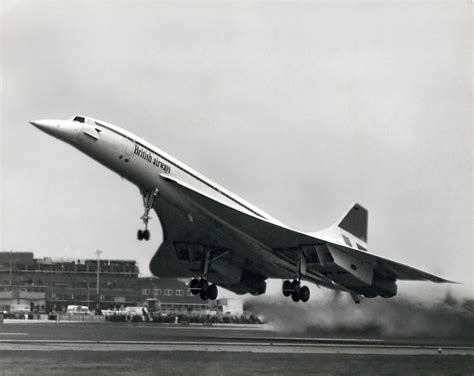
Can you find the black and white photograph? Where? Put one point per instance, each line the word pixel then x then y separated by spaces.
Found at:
pixel 236 187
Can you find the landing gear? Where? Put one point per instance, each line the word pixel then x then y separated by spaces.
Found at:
pixel 148 200
pixel 212 292
pixel 286 288
pixel 295 295
pixel 202 288
pixel 143 234
pixel 294 288
pixel 304 294
pixel 194 286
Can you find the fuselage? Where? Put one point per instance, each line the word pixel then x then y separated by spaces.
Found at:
pixel 137 160
pixel 204 223
pixel 145 165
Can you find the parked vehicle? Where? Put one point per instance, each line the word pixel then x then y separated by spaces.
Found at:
pixel 77 310
pixel 137 314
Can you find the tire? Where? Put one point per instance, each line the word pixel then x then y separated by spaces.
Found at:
pixel 203 294
pixel 304 294
pixel 140 235
pixel 295 295
pixel 194 286
pixel 295 286
pixel 146 234
pixel 212 292
pixel 286 288
pixel 203 284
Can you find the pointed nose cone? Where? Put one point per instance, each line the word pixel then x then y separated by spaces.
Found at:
pixel 45 125
pixel 64 130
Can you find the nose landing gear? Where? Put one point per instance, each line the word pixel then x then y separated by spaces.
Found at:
pixel 143 234
pixel 148 200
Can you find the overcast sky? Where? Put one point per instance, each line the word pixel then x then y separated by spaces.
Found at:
pixel 300 108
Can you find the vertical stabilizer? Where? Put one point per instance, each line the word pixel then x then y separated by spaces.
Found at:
pixel 355 222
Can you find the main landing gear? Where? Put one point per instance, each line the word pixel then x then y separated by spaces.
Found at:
pixel 295 290
pixel 148 200
pixel 201 286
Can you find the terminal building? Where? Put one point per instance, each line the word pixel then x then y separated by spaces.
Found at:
pixel 45 284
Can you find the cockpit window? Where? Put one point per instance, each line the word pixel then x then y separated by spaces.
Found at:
pixel 80 119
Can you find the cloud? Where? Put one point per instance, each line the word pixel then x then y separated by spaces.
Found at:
pixel 6 6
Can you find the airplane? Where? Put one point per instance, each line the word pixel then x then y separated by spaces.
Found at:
pixel 215 238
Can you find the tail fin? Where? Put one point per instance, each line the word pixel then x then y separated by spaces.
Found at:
pixel 355 222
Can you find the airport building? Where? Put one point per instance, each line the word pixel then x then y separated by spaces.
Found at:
pixel 45 284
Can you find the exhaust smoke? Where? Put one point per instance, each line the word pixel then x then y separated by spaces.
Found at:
pixel 402 316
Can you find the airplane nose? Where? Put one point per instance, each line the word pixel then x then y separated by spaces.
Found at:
pixel 44 125
pixel 36 123
pixel 57 128
pixel 64 130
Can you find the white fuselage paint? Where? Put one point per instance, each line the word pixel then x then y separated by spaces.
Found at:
pixel 143 164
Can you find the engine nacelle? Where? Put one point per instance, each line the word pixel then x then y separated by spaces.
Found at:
pixel 379 287
pixel 254 283
pixel 386 289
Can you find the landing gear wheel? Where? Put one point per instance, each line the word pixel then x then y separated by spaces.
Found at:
pixel 295 285
pixel 146 234
pixel 203 284
pixel 194 286
pixel 140 235
pixel 212 292
pixel 203 294
pixel 295 295
pixel 286 288
pixel 304 294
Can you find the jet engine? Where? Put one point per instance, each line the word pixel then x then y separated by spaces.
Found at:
pixel 386 289
pixel 254 283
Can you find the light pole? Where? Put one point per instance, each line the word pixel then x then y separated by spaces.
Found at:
pixel 88 293
pixel 11 270
pixel 98 252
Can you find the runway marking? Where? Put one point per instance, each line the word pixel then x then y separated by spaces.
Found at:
pixel 13 334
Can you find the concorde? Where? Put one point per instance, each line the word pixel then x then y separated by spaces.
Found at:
pixel 215 238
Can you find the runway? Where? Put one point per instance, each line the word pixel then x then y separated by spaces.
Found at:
pixel 238 345
pixel 98 348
